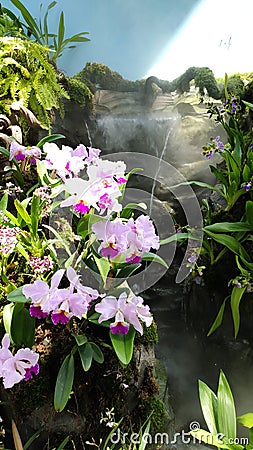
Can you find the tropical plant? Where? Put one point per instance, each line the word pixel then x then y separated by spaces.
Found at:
pixel 28 78
pixel 56 43
pixel 220 417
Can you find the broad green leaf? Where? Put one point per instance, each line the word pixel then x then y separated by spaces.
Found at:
pixel 17 296
pixel 246 173
pixel 22 212
pixel 4 202
pixel 218 319
pixel 85 223
pixel 22 251
pixel 200 184
pixel 124 273
pixel 250 105
pixel 7 317
pixel 237 153
pixel 103 266
pixel 249 213
pixel 149 256
pixel 123 345
pixel 228 227
pixel 86 354
pixel 12 218
pixel 22 326
pixel 226 409
pixel 208 438
pixel 236 296
pixel 228 241
pixel 208 402
pixel 246 420
pixel 35 214
pixel 97 353
pixel 80 338
pixel 64 383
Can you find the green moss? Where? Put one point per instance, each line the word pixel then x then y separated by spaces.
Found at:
pixel 150 334
pixel 79 92
pixel 158 411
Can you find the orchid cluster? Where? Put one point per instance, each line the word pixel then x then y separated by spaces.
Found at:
pixel 126 240
pixel 102 189
pixel 125 311
pixel 109 239
pixel 66 162
pixel 21 153
pixel 62 304
pixel 15 368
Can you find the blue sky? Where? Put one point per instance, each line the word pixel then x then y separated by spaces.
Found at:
pixel 129 36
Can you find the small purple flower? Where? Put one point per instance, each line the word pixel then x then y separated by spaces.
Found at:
pixel 17 151
pixel 247 186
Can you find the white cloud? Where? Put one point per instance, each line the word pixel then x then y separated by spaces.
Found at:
pixel 218 35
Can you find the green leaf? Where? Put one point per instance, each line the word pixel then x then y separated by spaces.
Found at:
pixel 7 317
pixel 218 319
pixel 80 338
pixel 97 353
pixel 236 296
pixel 35 214
pixel 62 445
pixel 228 227
pixel 64 383
pixel 22 251
pixel 86 354
pixel 136 169
pixel 246 419
pixel 226 408
pixel 17 296
pixel 219 174
pixel 175 237
pixel 50 138
pixel 4 202
pixel 250 105
pixel 85 223
pixel 149 256
pixel 249 213
pixel 123 345
pixel 32 25
pixel 128 209
pixel 22 326
pixel 208 402
pixel 124 273
pixel 61 32
pixel 22 212
pixel 246 173
pixel 103 266
pixel 228 241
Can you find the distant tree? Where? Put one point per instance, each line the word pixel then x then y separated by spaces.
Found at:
pixel 204 79
pixel 183 82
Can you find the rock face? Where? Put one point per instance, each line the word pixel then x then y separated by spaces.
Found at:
pixel 171 128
